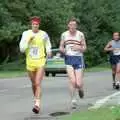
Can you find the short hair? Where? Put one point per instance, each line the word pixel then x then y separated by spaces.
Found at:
pixel 73 19
pixel 35 18
pixel 116 32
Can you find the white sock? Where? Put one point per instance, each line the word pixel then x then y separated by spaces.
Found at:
pixel 37 102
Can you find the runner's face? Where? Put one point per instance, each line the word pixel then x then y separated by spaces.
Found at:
pixel 116 36
pixel 35 26
pixel 72 25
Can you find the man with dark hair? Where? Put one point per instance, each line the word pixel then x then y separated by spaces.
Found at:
pixel 73 45
pixel 113 47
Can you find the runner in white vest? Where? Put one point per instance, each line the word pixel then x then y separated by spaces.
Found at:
pixel 73 46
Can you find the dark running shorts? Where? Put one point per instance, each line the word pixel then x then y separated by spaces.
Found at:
pixel 77 62
pixel 114 59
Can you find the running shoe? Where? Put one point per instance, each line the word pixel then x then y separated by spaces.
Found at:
pixel 74 103
pixel 117 85
pixel 81 93
pixel 36 109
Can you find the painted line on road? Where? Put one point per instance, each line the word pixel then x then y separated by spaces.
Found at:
pixel 25 86
pixel 4 90
pixel 101 102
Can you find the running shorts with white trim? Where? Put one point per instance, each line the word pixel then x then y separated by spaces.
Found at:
pixel 77 62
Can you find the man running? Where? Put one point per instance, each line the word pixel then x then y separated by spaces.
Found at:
pixel 114 48
pixel 35 43
pixel 73 45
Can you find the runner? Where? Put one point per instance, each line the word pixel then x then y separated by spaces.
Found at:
pixel 35 43
pixel 73 46
pixel 114 48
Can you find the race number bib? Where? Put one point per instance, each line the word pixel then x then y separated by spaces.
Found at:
pixel 116 52
pixel 69 48
pixel 34 52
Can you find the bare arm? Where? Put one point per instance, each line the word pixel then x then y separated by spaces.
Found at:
pixel 61 47
pixel 84 46
pixel 108 47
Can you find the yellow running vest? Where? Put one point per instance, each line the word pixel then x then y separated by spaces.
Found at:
pixel 35 53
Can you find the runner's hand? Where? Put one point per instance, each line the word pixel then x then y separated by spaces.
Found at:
pixel 77 48
pixel 49 55
pixel 110 49
pixel 31 38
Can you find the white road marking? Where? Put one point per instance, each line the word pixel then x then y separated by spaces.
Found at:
pixel 4 90
pixel 25 86
pixel 101 102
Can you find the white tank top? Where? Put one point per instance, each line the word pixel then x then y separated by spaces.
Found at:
pixel 70 41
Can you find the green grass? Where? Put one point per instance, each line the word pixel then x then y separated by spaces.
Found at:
pixel 12 66
pixel 11 74
pixel 100 114
pixel 12 69
pixel 98 68
pixel 17 69
pixel 20 73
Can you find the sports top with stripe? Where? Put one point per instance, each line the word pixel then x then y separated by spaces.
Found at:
pixel 70 41
pixel 73 57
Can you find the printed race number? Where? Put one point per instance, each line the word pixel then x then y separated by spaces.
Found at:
pixel 116 52
pixel 34 52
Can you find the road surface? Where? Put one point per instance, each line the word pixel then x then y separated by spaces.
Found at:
pixel 16 100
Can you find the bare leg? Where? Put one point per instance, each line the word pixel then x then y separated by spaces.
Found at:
pixel 113 72
pixel 79 81
pixel 32 78
pixel 37 85
pixel 72 81
pixel 79 78
pixel 118 72
pixel 37 89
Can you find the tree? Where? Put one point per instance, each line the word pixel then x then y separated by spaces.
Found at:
pixel 98 19
pixel 15 16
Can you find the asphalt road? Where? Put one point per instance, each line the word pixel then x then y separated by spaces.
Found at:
pixel 16 100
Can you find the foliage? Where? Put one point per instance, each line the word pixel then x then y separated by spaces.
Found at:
pixel 98 19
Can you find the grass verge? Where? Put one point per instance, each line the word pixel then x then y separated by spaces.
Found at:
pixel 11 74
pixel 99 114
pixel 98 68
pixel 16 69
